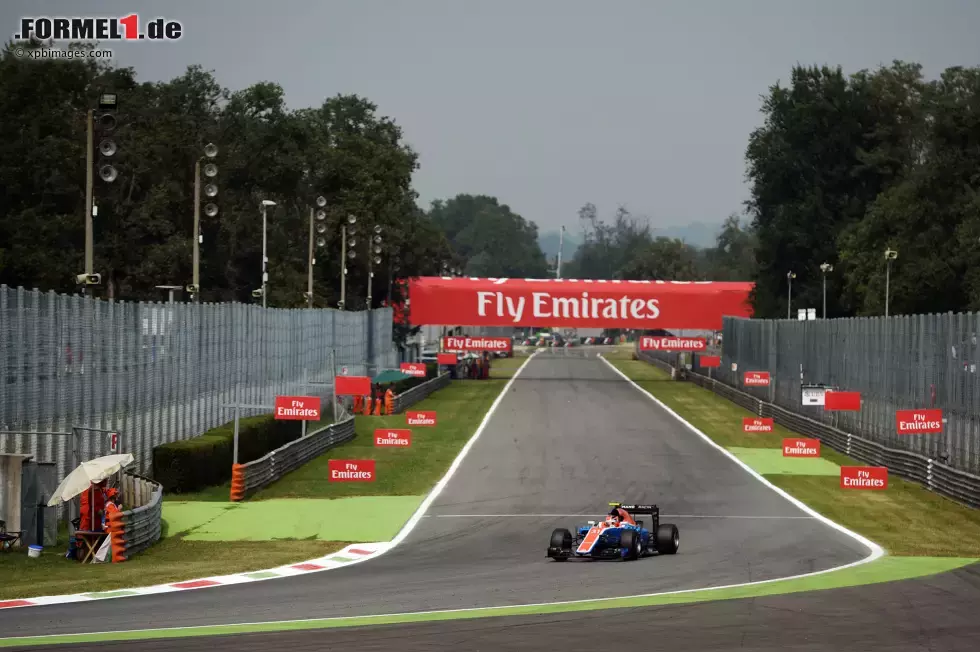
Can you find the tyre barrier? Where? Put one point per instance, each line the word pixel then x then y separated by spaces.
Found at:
pixel 930 473
pixel 412 396
pixel 133 531
pixel 248 478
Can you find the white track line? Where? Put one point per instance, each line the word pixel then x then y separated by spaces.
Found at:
pixel 874 549
pixel 417 516
pixel 376 549
pixel 721 516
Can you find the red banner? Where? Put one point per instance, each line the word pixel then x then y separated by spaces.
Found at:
pixel 298 408
pixel 576 303
pixel 458 343
pixel 756 379
pixel 386 437
pixel 351 470
pixel 648 343
pixel 352 385
pixel 757 424
pixel 849 401
pixel 709 360
pixel 801 448
pixel 420 418
pixel 863 477
pixel 447 358
pixel 416 369
pixel 918 422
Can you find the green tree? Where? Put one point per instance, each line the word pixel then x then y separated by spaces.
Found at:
pixel 493 240
pixel 342 150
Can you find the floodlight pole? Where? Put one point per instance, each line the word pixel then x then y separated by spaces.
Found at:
pixel 89 182
pixel 309 275
pixel 196 281
pixel 343 267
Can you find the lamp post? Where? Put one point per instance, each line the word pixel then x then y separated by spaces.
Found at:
pixel 824 268
pixel 265 258
pixel 789 299
pixel 890 255
pixel 561 245
pixel 211 190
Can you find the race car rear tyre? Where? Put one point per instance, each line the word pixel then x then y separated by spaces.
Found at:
pixel 668 539
pixel 561 539
pixel 630 540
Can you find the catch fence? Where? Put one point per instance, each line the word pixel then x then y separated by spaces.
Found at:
pixel 160 372
pixel 896 363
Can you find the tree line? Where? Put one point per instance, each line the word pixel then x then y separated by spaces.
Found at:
pixel 341 150
pixel 847 167
pixel 841 169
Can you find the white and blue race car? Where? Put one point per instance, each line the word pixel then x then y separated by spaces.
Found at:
pixel 618 536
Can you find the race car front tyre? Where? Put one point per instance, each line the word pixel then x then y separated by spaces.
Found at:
pixel 560 548
pixel 668 539
pixel 631 541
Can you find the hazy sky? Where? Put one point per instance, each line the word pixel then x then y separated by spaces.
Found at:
pixel 548 104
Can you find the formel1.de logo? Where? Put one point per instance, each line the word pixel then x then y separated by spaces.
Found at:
pixel 75 28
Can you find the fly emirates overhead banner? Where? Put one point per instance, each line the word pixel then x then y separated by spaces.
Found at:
pixel 576 303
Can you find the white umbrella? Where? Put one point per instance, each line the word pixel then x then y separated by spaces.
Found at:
pixel 87 473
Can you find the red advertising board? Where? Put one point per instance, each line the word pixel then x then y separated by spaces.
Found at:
pixel 863 477
pixel 671 343
pixel 351 470
pixel 352 385
pixel 574 303
pixel 388 437
pixel 416 369
pixel 709 360
pixel 420 417
pixel 849 401
pixel 918 422
pixel 757 424
pixel 801 447
pixel 447 358
pixel 756 379
pixel 298 408
pixel 460 343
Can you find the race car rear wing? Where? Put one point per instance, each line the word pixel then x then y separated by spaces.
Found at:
pixel 652 510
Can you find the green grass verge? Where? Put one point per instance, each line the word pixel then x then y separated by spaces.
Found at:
pixel 905 519
pixel 403 472
pixel 408 471
pixel 887 569
pixel 171 560
pixel 379 519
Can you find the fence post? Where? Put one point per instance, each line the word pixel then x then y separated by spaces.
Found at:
pixel 333 379
pixel 234 453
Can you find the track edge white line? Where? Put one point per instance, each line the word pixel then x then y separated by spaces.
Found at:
pixel 876 551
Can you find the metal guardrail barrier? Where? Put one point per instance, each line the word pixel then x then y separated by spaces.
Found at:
pixel 133 531
pixel 931 473
pixel 248 478
pixel 412 396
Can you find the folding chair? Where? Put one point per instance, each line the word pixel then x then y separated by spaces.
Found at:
pixel 8 539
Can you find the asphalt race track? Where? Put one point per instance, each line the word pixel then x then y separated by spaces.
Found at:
pixel 570 436
pixel 934 613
